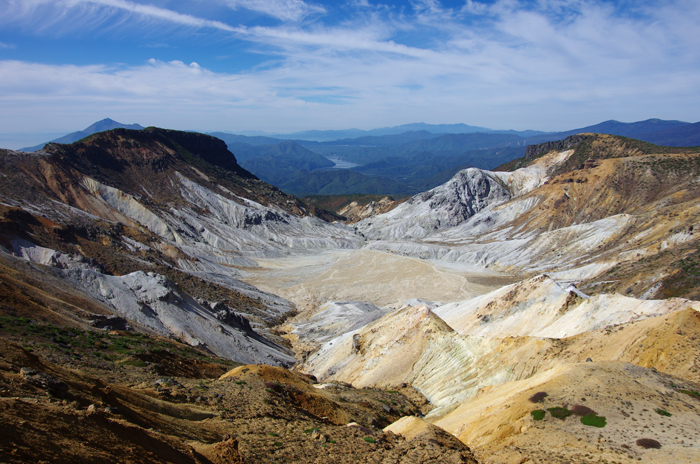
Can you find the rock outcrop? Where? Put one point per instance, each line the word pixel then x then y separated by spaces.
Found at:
pixel 448 205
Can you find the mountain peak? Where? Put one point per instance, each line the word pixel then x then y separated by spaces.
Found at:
pixel 108 124
pixel 100 126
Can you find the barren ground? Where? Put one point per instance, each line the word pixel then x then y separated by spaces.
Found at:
pixel 383 279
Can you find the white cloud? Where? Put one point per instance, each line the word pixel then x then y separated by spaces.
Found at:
pixel 7 46
pixel 65 12
pixel 286 10
pixel 549 65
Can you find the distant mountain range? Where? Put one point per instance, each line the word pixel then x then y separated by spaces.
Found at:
pixel 99 126
pixel 331 135
pixel 400 160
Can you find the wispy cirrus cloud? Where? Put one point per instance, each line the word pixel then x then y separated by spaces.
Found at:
pixel 97 11
pixel 285 10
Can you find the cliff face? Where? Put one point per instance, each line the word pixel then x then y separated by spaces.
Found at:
pixel 534 151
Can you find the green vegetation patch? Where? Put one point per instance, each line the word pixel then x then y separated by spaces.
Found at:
pixel 559 412
pixel 692 393
pixel 538 414
pixel 123 348
pixel 594 420
pixel 662 412
pixel 370 440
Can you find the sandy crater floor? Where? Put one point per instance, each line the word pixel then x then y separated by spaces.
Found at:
pixel 383 279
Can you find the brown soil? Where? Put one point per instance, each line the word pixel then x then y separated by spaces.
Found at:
pixel 127 411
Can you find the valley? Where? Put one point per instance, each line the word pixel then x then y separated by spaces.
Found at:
pixel 545 311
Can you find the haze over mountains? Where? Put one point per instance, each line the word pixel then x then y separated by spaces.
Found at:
pixel 547 311
pixel 401 160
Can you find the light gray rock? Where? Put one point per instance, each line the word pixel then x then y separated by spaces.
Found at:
pixel 153 301
pixel 468 192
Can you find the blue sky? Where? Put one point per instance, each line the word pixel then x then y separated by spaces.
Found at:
pixel 287 65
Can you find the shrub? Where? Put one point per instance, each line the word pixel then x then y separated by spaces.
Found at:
pixel 580 410
pixel 662 412
pixel 370 440
pixel 593 420
pixel 311 430
pixel 538 397
pixel 559 412
pixel 538 414
pixel 648 443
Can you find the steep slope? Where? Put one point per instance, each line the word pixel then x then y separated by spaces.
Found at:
pixel 184 187
pixel 540 307
pixel 168 403
pixel 168 214
pixel 467 193
pixel 410 345
pixel 605 214
pixel 355 212
pixel 511 334
pixel 484 389
pixel 310 329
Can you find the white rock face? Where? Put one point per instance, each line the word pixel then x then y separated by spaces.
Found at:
pixel 336 318
pixel 463 197
pixel 540 307
pixel 501 337
pixel 568 249
pixel 128 206
pixel 152 301
pixel 250 229
pixel 468 192
pixel 219 232
pixel 524 180
pixel 48 257
pixel 411 345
